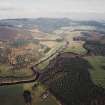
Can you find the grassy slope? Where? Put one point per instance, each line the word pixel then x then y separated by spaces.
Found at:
pixel 74 46
pixel 53 50
pixel 4 71
pixel 12 95
pixel 97 73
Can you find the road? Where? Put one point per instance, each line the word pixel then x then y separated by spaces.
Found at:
pixel 10 80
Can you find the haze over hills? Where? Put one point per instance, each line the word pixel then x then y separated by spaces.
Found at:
pixel 14 34
pixel 49 24
pixel 52 52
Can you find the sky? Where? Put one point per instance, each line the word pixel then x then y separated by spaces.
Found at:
pixel 77 9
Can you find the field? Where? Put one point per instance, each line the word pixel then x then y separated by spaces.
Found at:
pixel 66 76
pixel 51 54
pixel 13 95
pixel 96 48
pixel 69 75
pixel 98 70
pixel 16 61
pixel 50 44
pixel 8 34
pixel 97 60
pixel 4 71
pixel 77 78
pixel 75 46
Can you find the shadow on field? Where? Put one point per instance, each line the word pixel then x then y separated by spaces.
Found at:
pixel 103 67
pixel 68 78
pixel 11 95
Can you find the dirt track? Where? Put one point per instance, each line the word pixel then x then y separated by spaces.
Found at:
pixel 10 80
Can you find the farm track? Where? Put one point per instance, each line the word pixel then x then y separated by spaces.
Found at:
pixel 66 54
pixel 11 80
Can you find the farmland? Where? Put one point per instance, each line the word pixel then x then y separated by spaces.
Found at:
pixel 64 73
pixel 97 71
pixel 75 46
pixel 69 74
pixel 10 95
pixel 62 66
pixel 20 57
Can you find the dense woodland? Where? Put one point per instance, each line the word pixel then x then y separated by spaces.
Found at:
pixel 68 78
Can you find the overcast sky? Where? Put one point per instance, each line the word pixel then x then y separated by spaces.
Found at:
pixel 52 8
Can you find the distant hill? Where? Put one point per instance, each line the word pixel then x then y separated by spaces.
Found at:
pixel 47 24
pixel 43 24
pixel 13 34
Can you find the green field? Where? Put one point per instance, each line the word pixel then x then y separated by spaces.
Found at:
pixel 97 72
pixel 49 54
pixel 12 95
pixel 75 46
pixel 76 49
pixel 5 71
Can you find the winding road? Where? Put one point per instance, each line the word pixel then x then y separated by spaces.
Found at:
pixel 10 80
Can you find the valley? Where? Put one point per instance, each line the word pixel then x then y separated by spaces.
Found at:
pixel 57 65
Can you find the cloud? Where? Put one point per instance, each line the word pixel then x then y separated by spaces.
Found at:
pixel 6 9
pixel 46 8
